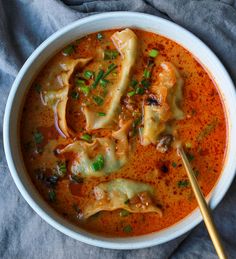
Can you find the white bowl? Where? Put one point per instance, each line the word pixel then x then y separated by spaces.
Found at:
pixel 56 42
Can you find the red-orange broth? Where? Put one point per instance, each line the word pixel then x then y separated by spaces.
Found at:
pixel 202 131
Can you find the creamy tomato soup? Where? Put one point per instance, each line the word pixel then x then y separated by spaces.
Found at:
pixel 99 126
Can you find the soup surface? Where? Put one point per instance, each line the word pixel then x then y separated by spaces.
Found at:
pixel 99 127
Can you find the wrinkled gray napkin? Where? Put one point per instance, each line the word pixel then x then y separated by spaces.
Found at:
pixel 24 24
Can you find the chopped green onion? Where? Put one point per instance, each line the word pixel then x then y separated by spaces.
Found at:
pixel 99 36
pixel 133 83
pixel 98 164
pixel 37 88
pixel 126 202
pixel 75 95
pixel 61 169
pixel 52 195
pixel 132 93
pixel 188 145
pixel 98 100
pixel 127 229
pixel 137 121
pixel 86 137
pixel 77 179
pixel 38 137
pixel 183 183
pixel 190 157
pixel 80 82
pixel 208 129
pixel 153 53
pixel 110 54
pixel 88 74
pixel 101 114
pixel 68 50
pixel 85 89
pixel 174 164
pixel 145 83
pixel 105 91
pixel 146 73
pixel 104 82
pixel 98 78
pixel 139 90
pixel 124 213
pixel 135 125
pixel 111 67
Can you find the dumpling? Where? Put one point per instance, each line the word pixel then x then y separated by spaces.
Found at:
pixel 57 99
pixel 126 43
pixel 102 156
pixel 133 196
pixel 162 105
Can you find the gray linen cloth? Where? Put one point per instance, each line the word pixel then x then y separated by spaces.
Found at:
pixel 24 24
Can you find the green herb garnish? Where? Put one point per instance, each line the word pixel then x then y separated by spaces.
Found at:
pixel 98 164
pixel 87 137
pixel 98 78
pixel 101 114
pixel 126 202
pixel 88 74
pixel 145 83
pixel 110 54
pixel 98 100
pixel 99 36
pixel 174 164
pixel 208 129
pixel 80 82
pixel 133 83
pixel 188 145
pixel 77 179
pixel 85 89
pixel 139 90
pixel 111 67
pixel 69 50
pixel 74 95
pixel 61 169
pixel 135 125
pixel 38 137
pixel 153 53
pixel 190 156
pixel 183 183
pixel 104 82
pixel 37 88
pixel 137 121
pixel 127 229
pixel 132 93
pixel 52 195
pixel 146 73
pixel 124 213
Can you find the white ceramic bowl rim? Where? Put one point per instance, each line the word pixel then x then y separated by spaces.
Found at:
pixel 47 49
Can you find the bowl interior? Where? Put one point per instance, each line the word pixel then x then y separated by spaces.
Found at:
pixel 56 42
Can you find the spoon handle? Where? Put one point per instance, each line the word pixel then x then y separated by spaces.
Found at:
pixel 204 208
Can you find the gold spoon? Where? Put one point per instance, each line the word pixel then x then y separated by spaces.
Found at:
pixel 204 208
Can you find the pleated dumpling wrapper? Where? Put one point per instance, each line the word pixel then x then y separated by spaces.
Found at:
pixel 103 155
pixel 133 196
pixel 57 99
pixel 162 106
pixel 126 43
